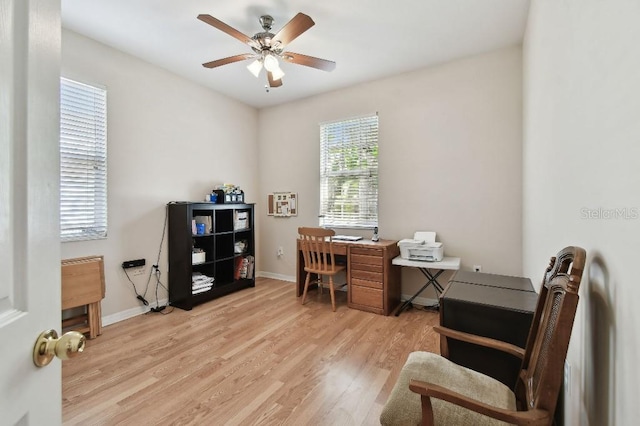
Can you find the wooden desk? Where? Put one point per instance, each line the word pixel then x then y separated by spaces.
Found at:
pixel 373 283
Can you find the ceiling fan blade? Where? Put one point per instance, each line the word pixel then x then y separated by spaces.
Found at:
pixel 229 60
pixel 214 22
pixel 292 29
pixel 272 82
pixel 308 61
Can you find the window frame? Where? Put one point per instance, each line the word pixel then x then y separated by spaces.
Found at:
pixel 83 161
pixel 358 173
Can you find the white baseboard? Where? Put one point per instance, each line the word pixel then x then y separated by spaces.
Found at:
pixel 139 310
pixel 422 301
pixel 130 313
pixel 271 275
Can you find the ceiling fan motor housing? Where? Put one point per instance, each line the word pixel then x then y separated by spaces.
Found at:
pixel 265 39
pixel 266 21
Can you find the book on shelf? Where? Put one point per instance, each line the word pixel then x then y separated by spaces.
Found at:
pixel 250 267
pixel 201 290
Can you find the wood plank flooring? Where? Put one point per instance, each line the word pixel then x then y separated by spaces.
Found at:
pixel 253 357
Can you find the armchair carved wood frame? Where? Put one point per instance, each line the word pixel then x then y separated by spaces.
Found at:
pixel 453 395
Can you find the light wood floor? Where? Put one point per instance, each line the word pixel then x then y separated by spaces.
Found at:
pixel 253 357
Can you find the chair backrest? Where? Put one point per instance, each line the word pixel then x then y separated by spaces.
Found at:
pixel 317 249
pixel 541 375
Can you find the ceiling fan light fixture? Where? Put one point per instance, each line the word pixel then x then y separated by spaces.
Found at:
pixel 277 73
pixel 271 63
pixel 255 67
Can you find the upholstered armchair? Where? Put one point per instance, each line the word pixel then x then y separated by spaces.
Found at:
pixel 431 390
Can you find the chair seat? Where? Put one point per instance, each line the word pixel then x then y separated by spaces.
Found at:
pixel 333 271
pixel 404 407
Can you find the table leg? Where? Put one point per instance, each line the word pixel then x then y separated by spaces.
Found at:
pixel 431 280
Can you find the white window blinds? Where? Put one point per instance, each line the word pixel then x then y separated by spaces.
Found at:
pixel 83 161
pixel 349 173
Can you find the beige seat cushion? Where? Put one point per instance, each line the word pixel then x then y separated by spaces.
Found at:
pixel 404 406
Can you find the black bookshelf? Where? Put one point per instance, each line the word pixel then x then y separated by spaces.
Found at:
pixel 228 244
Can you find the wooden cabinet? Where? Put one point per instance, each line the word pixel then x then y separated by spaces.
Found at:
pixel 224 252
pixel 496 308
pixel 83 286
pixel 374 283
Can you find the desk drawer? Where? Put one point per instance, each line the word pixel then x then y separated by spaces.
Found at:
pixel 366 260
pixel 366 267
pixel 367 283
pixel 366 296
pixel 366 251
pixel 366 275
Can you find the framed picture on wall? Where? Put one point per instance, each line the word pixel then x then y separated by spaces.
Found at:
pixel 282 204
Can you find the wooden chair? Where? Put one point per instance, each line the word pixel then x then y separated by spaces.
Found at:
pixel 431 390
pixel 317 250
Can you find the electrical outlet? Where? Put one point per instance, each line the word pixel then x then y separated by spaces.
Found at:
pixel 280 252
pixel 477 268
pixel 137 271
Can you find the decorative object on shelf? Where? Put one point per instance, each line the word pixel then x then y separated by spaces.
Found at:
pixel 240 220
pixel 203 225
pixel 228 193
pixel 282 204
pixel 198 256
pixel 240 247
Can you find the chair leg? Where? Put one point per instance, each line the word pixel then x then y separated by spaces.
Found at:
pixel 333 296
pixel 306 287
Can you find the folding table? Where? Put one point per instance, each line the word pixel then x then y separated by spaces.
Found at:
pixel 447 263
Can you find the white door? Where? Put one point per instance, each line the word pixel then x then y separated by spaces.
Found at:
pixel 29 208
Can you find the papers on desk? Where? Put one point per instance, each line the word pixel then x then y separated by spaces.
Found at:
pixel 346 238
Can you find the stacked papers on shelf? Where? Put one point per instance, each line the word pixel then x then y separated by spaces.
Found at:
pixel 200 283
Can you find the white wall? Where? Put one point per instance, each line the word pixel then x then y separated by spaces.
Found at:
pixel 450 154
pixel 168 139
pixel 581 151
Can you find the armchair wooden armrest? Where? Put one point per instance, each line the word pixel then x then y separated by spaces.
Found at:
pixel 428 390
pixel 481 341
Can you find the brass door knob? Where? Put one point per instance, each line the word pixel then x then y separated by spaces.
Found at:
pixel 49 345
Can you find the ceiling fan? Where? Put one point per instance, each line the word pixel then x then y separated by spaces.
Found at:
pixel 268 47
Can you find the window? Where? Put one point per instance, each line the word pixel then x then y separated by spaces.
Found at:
pixel 83 161
pixel 349 173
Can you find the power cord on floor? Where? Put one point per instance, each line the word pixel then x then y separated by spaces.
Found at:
pixel 139 296
pixel 158 308
pixel 155 271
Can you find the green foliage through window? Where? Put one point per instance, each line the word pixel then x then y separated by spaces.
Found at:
pixel 349 173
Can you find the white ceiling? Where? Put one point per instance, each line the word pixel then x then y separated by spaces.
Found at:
pixel 367 39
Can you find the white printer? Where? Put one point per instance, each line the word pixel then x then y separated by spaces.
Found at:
pixel 422 247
